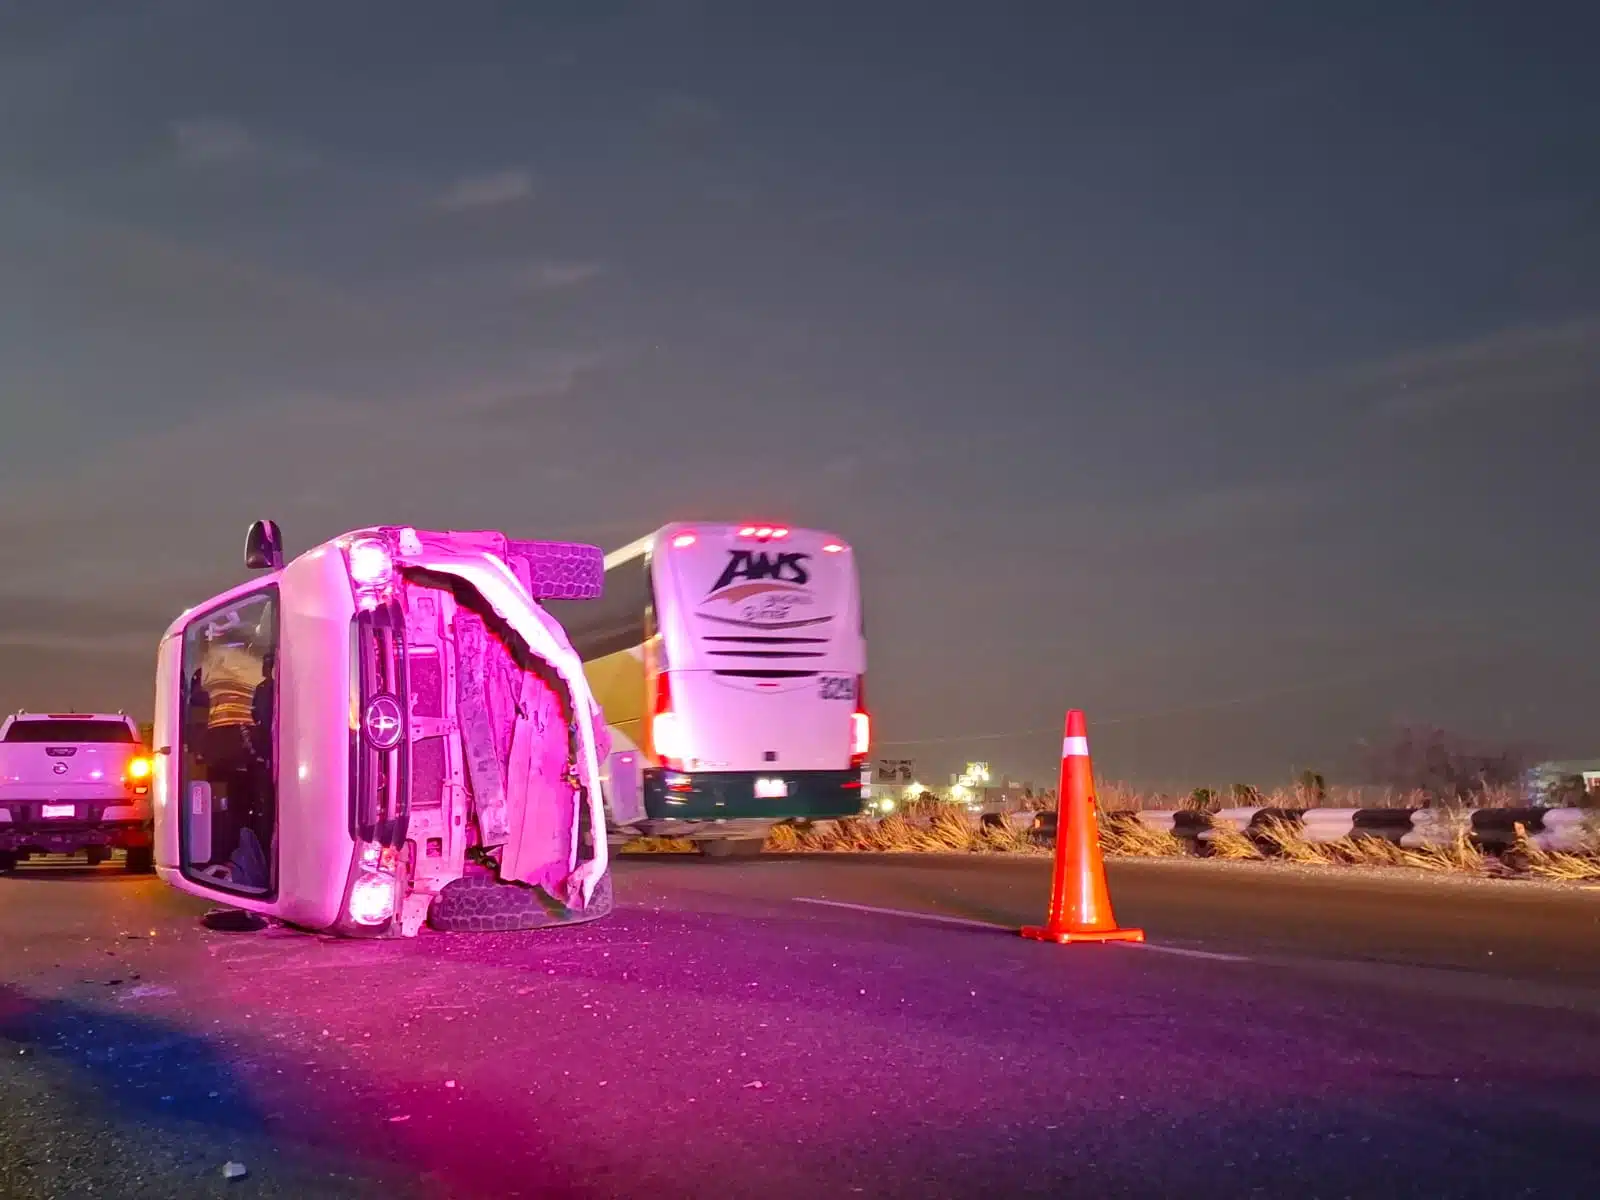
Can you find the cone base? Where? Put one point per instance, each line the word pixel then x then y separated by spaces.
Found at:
pixel 1063 937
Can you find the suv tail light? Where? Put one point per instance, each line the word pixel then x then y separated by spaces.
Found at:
pixel 666 726
pixel 860 726
pixel 137 775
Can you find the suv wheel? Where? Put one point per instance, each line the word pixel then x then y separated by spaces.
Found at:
pixel 141 860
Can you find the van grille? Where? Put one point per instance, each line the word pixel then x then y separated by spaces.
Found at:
pixel 380 783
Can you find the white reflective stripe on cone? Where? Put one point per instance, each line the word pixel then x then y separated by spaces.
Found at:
pixel 1075 747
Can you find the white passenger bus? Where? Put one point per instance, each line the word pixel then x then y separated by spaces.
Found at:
pixel 729 660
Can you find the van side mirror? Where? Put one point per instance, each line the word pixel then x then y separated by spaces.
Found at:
pixel 263 547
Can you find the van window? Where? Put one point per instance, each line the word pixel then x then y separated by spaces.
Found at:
pixel 228 745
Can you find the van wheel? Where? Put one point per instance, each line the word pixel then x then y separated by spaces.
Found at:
pixel 732 847
pixel 482 904
pixel 141 860
pixel 8 861
pixel 95 855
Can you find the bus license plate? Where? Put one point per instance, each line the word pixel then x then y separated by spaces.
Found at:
pixel 60 810
pixel 771 789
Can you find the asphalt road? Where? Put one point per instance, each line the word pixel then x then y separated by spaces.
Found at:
pixel 724 1034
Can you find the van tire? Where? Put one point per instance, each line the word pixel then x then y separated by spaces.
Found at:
pixel 562 570
pixel 482 904
pixel 141 860
pixel 8 861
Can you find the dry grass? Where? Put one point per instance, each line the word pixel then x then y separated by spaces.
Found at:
pixel 1284 840
pixel 1229 842
pixel 1561 865
pixel 936 830
pixel 1458 854
pixel 658 845
pixel 1129 839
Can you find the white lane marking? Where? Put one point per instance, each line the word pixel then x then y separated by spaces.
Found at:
pixel 916 916
pixel 968 923
pixel 1207 954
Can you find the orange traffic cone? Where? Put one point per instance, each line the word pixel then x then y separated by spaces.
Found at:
pixel 1080 903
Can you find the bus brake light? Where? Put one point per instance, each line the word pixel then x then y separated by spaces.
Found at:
pixel 683 541
pixel 666 726
pixel 860 726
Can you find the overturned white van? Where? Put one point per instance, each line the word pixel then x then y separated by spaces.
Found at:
pixel 388 730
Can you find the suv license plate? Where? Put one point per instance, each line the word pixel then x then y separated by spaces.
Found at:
pixel 771 789
pixel 60 810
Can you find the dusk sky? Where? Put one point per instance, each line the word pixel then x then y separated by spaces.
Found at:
pixel 1218 368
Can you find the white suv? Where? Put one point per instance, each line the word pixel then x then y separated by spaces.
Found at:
pixel 71 782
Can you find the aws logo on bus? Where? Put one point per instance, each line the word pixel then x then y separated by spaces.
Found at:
pixel 754 566
pixel 762 586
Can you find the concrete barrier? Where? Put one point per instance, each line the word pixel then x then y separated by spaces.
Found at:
pixel 1323 825
pixel 1571 830
pixel 1158 820
pixel 1022 820
pixel 1496 828
pixel 1568 830
pixel 1435 827
pixel 1390 824
pixel 1239 819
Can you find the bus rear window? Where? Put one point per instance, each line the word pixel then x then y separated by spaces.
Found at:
pixel 65 731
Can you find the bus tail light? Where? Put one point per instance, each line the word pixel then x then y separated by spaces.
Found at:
pixel 860 726
pixel 666 726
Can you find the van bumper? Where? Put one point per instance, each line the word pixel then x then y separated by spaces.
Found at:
pixel 731 795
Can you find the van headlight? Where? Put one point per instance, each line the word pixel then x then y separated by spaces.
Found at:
pixel 372 898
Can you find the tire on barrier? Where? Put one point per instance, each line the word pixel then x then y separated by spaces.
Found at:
pixel 482 904
pixel 563 570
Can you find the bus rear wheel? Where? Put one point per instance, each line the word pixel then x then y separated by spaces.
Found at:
pixel 731 847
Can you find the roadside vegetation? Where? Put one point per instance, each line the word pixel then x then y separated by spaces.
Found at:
pixel 1419 769
pixel 932 827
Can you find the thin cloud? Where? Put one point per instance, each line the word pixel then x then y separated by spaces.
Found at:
pixel 214 140
pixel 557 276
pixel 317 463
pixel 1530 365
pixel 688 122
pixel 38 620
pixel 487 191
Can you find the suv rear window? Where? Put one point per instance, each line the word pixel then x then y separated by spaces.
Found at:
pixel 63 732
